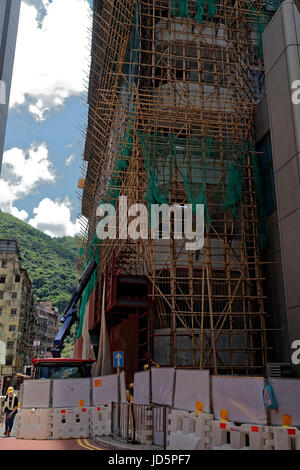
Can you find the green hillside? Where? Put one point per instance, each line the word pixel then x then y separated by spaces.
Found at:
pixel 50 262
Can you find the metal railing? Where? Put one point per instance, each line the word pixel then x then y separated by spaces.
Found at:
pixel 130 421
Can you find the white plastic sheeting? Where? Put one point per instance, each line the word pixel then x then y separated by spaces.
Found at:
pixel 105 389
pixel 241 397
pixel 142 388
pixel 287 392
pixel 163 385
pixel 36 394
pixel 191 386
pixel 71 392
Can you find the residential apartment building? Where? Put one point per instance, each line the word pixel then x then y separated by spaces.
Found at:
pixel 46 318
pixel 16 307
pixel 9 19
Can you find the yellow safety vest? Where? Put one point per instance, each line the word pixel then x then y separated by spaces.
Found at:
pixel 9 402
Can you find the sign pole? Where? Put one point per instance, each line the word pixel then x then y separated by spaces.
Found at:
pixel 118 357
pixel 119 402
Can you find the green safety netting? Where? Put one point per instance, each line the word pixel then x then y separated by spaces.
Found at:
pixel 180 8
pixel 198 162
pixel 92 255
pixel 126 84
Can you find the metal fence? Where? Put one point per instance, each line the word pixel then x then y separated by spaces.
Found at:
pixel 133 422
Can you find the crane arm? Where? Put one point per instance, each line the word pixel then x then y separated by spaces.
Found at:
pixel 70 315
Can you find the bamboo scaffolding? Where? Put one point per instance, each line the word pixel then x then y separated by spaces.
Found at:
pixel 190 80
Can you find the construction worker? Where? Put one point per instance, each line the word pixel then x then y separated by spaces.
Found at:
pixel 129 393
pixel 146 366
pixel 10 404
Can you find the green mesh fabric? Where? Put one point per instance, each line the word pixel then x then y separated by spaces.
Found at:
pixel 192 157
pixel 199 11
pixel 127 98
pixel 158 153
pixel 179 8
pixel 121 164
pixel 235 180
pixel 197 161
pixel 92 282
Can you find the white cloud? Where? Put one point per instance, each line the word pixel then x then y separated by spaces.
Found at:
pixel 70 160
pixel 22 172
pixel 23 215
pixel 50 55
pixel 54 218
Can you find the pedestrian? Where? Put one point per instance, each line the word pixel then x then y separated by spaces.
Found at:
pixel 10 404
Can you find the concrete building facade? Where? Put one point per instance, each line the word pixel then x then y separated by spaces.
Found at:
pixel 16 307
pixel 9 19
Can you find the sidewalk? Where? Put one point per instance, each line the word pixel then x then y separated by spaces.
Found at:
pixel 116 443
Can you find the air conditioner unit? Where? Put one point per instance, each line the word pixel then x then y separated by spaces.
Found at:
pixel 279 369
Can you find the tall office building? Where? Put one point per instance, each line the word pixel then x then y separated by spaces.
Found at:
pixel 9 18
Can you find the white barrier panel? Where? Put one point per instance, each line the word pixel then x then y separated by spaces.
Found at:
pixel 71 393
pixel 227 436
pixel 286 438
pixel 162 385
pixel 34 424
pixel 191 386
pixel 189 431
pixel 241 397
pixel 100 420
pixel 142 388
pixel 105 389
pixel 287 392
pixel 36 394
pixel 123 387
pixel 71 423
pixel 15 429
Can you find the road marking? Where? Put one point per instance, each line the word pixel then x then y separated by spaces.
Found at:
pixel 87 445
pixel 91 445
pixel 82 445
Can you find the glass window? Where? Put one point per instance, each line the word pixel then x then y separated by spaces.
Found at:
pixel 63 372
pixel 13 311
pixel 9 360
pixel 14 295
pixel 4 264
pixel 17 279
pixel 12 328
pixel 1 294
pixel 2 279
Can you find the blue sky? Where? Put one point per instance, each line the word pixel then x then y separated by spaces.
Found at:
pixel 42 156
